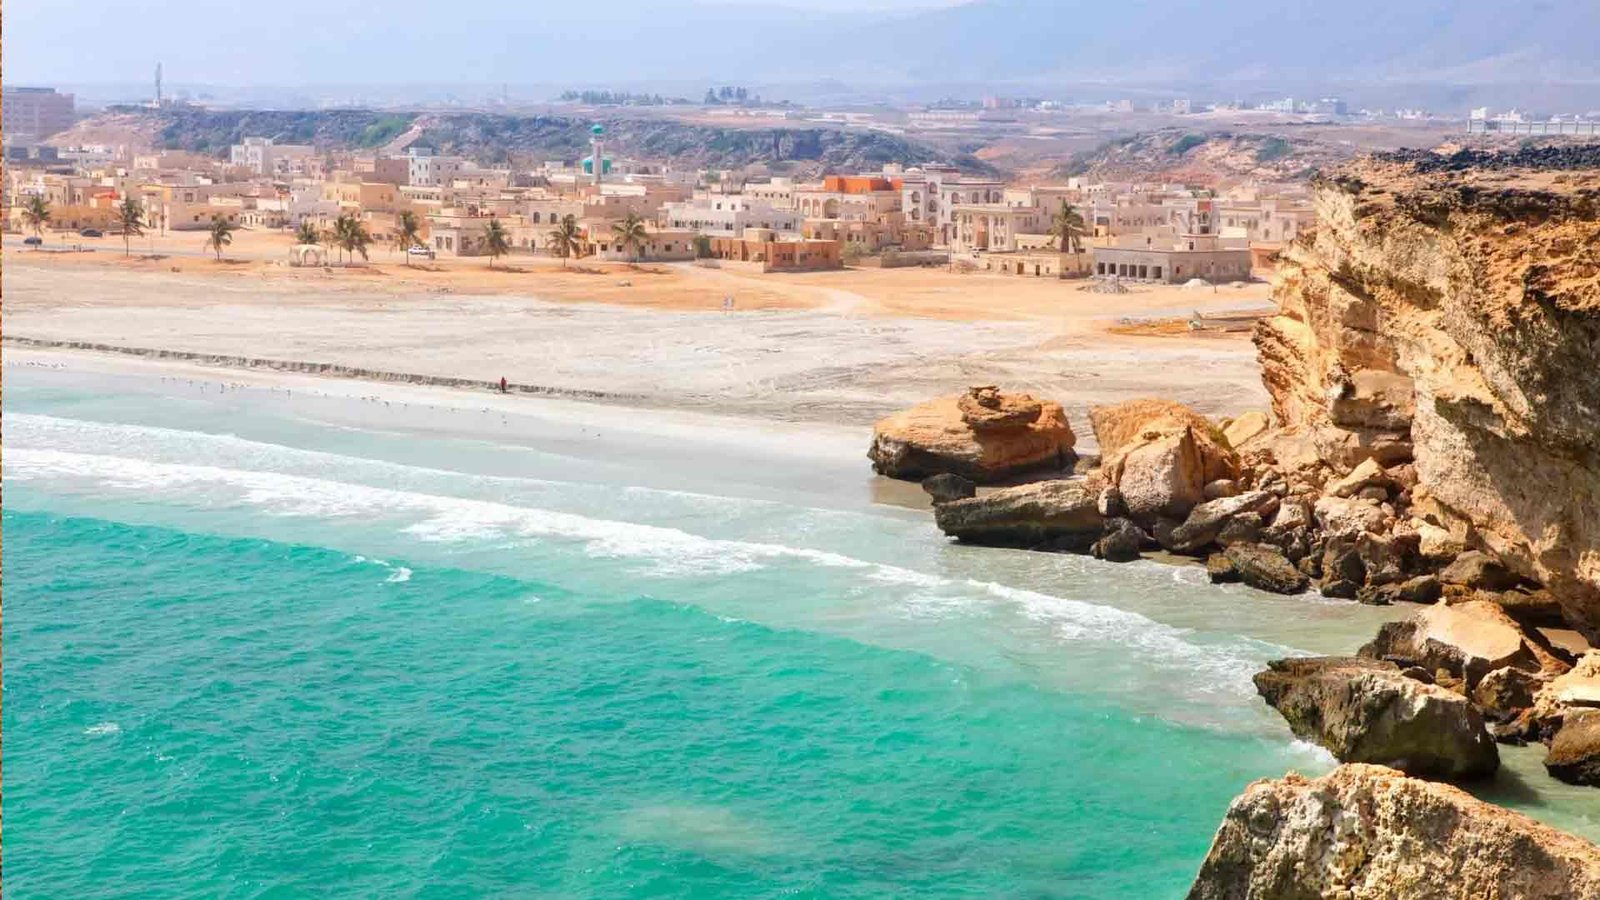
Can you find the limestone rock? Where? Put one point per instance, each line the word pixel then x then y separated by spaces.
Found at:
pixel 1479 571
pixel 1446 307
pixel 937 436
pixel 1120 543
pixel 1574 690
pixel 1468 640
pixel 1222 487
pixel 1438 543
pixel 1370 833
pixel 1347 517
pixel 947 486
pixel 986 409
pixel 1364 710
pixel 1265 568
pixel 1245 428
pixel 1045 515
pixel 1574 755
pixel 1207 520
pixel 1367 475
pixel 1161 455
pixel 1220 569
pixel 1506 692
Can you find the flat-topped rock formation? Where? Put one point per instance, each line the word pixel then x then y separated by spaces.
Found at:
pixel 982 435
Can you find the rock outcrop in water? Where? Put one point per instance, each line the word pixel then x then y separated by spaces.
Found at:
pixel 1366 832
pixel 1363 710
pixel 982 435
pixel 1440 326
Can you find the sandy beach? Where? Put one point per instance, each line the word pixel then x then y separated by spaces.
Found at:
pixel 836 347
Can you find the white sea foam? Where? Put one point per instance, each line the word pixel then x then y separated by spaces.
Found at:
pixel 398 576
pixel 103 728
pixel 663 551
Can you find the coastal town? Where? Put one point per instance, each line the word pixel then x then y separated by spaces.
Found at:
pixel 340 206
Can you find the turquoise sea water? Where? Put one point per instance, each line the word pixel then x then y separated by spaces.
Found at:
pixel 253 651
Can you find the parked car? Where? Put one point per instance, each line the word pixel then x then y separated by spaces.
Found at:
pixel 33 241
pixel 91 232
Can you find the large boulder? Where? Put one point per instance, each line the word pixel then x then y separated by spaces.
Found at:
pixel 1348 517
pixel 1468 640
pixel 1364 710
pixel 1160 455
pixel 1265 568
pixel 1574 755
pixel 960 434
pixel 1366 832
pixel 947 486
pixel 1574 690
pixel 1207 520
pixel 1061 515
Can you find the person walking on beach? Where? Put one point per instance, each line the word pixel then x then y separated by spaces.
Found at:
pixel 502 384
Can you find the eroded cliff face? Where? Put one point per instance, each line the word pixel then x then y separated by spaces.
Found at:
pixel 1448 309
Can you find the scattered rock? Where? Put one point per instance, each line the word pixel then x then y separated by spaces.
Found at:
pixel 1574 755
pixel 1367 832
pixel 1245 428
pixel 1364 710
pixel 1367 475
pixel 1347 517
pixel 1220 569
pixel 1479 571
pixel 1060 515
pixel 1244 528
pixel 937 436
pixel 1121 542
pixel 1265 568
pixel 1222 487
pixel 1506 692
pixel 1422 589
pixel 1206 521
pixel 1468 640
pixel 1574 690
pixel 947 486
pixel 1438 544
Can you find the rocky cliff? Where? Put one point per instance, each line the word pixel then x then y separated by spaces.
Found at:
pixel 1446 309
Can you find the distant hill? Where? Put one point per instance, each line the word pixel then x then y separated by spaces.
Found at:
pixel 496 138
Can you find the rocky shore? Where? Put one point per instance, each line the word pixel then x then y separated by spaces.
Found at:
pixel 1434 439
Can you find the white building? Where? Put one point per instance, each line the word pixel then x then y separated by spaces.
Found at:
pixel 930 195
pixel 728 215
pixel 263 156
pixel 427 170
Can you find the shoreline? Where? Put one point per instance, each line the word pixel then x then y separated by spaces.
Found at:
pixel 832 472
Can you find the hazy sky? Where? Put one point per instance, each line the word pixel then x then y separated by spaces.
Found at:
pixel 394 41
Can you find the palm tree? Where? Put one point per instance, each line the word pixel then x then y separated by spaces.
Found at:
pixel 1067 225
pixel 566 238
pixel 307 233
pixel 130 215
pixel 631 233
pixel 37 214
pixel 352 235
pixel 407 233
pixel 221 235
pixel 496 241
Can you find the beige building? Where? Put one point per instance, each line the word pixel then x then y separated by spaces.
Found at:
pixel 31 114
pixel 1173 260
pixel 993 227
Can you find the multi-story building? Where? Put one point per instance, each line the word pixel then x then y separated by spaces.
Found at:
pixel 264 156
pixel 427 170
pixel 929 194
pixel 31 114
pixel 993 227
